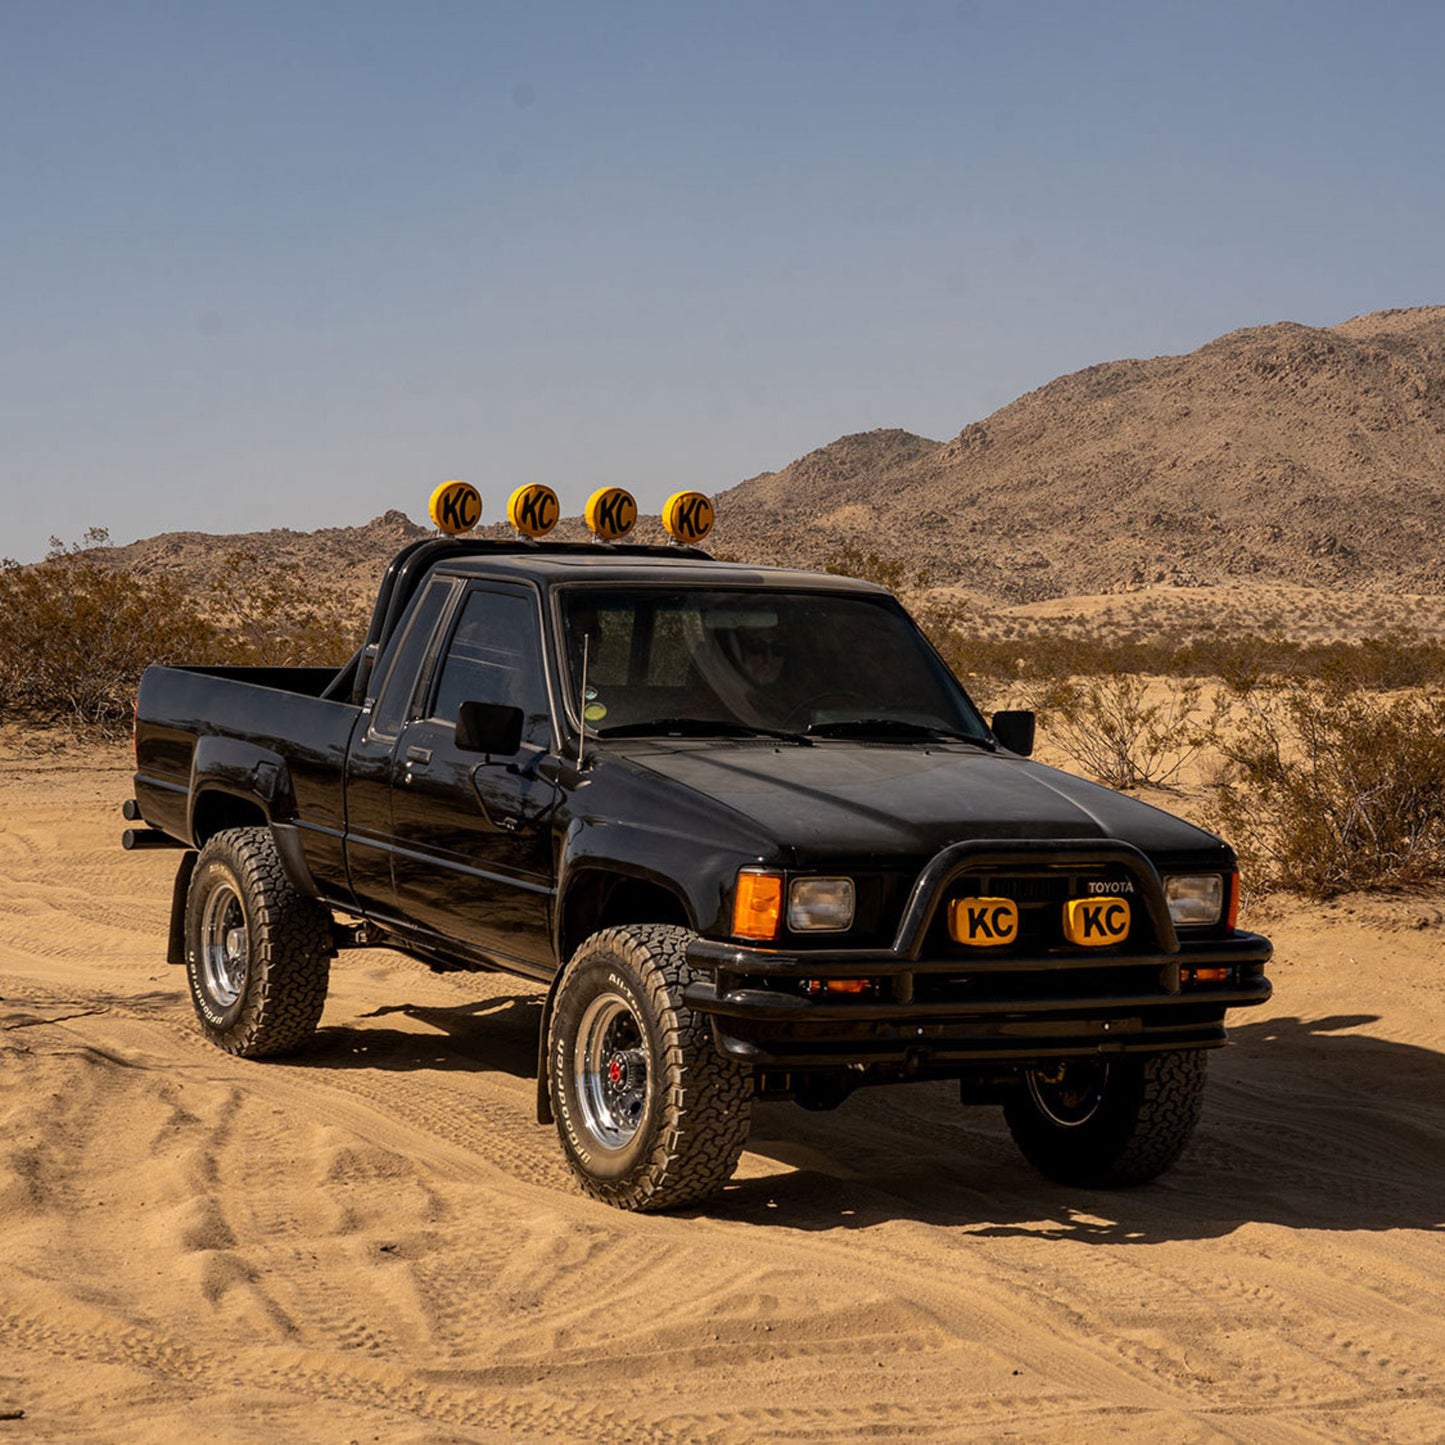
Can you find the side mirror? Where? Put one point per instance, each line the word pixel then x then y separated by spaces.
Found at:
pixel 1015 731
pixel 489 727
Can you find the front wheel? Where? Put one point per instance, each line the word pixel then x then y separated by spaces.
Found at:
pixel 1107 1123
pixel 650 1115
pixel 258 953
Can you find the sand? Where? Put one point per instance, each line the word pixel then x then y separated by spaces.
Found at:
pixel 376 1242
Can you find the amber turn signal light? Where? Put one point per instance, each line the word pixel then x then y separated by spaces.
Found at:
pixel 1207 975
pixel 758 906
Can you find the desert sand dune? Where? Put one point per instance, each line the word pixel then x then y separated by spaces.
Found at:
pixel 376 1241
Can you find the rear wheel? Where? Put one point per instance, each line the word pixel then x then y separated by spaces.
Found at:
pixel 650 1115
pixel 1107 1123
pixel 258 953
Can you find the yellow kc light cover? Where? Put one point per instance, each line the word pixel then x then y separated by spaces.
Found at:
pixel 533 510
pixel 688 516
pixel 455 507
pixel 983 922
pixel 1096 922
pixel 611 513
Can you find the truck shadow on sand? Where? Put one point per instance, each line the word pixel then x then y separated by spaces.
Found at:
pixel 491 1035
pixel 1307 1123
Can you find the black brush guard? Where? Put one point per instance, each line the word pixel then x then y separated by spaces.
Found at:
pixel 1031 1006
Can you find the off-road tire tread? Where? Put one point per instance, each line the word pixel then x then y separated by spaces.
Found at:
pixel 708 1108
pixel 1138 1136
pixel 291 946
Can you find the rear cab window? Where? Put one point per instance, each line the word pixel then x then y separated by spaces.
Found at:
pixel 405 669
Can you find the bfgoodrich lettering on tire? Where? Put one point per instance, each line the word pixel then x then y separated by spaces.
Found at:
pixel 1107 1123
pixel 258 953
pixel 650 1115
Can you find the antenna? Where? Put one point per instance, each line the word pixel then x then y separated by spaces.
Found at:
pixel 582 711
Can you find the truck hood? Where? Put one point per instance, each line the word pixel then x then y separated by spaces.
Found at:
pixel 851 799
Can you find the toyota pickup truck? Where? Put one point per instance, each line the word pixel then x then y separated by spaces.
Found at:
pixel 744 827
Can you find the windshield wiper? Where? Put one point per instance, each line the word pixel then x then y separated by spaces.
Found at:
pixel 892 727
pixel 697 727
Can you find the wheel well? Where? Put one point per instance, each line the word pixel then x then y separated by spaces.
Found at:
pixel 602 900
pixel 215 811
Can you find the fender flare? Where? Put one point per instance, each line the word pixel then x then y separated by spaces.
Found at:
pixel 256 775
pixel 591 863
pixel 242 770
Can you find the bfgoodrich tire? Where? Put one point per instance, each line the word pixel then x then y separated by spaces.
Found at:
pixel 258 953
pixel 650 1115
pixel 1109 1123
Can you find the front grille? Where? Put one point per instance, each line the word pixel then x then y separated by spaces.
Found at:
pixel 1050 888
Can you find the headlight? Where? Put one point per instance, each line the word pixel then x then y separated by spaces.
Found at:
pixel 820 905
pixel 1195 899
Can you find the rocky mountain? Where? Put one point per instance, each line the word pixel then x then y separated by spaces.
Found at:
pixel 1282 453
pixel 344 562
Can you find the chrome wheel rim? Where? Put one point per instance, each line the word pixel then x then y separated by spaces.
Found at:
pixel 225 947
pixel 610 1066
pixel 1070 1093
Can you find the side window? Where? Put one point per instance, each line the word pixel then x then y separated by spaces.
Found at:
pixel 496 656
pixel 401 677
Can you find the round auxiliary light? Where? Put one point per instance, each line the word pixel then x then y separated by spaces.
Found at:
pixel 455 507
pixel 611 513
pixel 533 510
pixel 688 516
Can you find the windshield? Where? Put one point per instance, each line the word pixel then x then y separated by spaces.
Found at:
pixel 679 660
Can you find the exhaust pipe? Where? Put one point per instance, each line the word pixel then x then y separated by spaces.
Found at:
pixel 134 838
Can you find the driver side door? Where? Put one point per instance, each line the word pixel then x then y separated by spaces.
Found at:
pixel 473 858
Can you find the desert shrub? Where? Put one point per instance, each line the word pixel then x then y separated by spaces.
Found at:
pixel 1240 659
pixel 1399 658
pixel 1112 728
pixel 890 572
pixel 75 634
pixel 1332 789
pixel 991 653
pixel 77 631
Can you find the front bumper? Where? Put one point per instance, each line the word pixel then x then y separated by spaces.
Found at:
pixel 1026 1008
pixel 928 1015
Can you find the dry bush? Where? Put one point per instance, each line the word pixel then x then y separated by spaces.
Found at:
pixel 75 635
pixel 1333 789
pixel 1400 658
pixel 993 653
pixel 890 572
pixel 77 631
pixel 1112 728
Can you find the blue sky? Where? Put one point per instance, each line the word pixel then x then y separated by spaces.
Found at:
pixel 291 264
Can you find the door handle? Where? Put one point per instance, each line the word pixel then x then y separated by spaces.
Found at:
pixel 418 755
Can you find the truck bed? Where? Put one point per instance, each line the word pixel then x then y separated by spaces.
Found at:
pixel 204 734
pixel 308 681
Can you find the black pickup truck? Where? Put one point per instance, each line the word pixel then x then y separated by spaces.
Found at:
pixel 742 822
